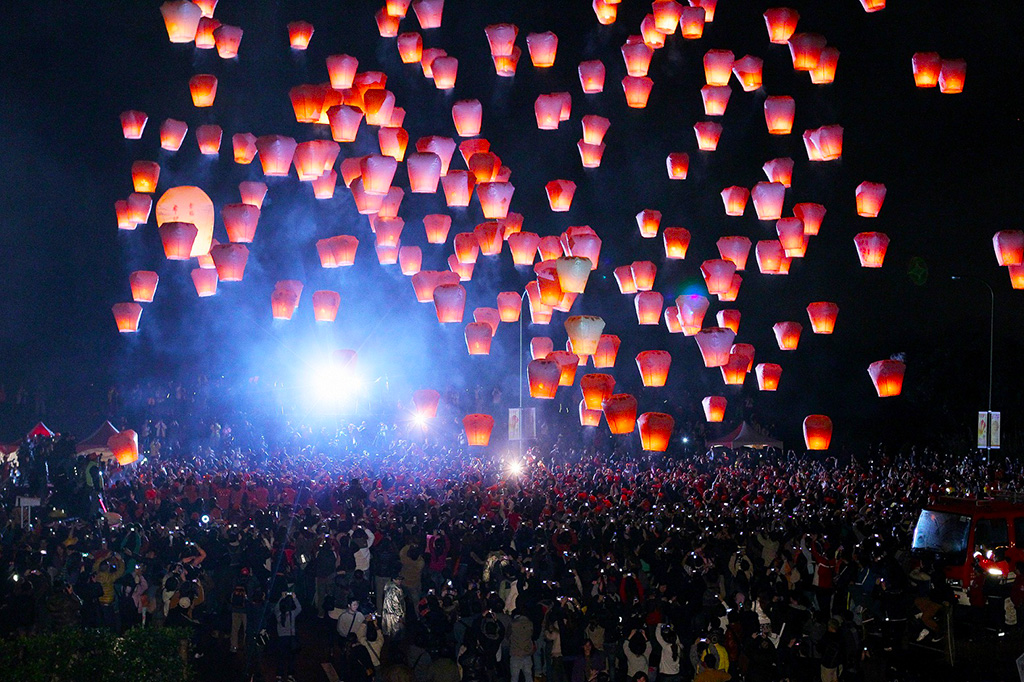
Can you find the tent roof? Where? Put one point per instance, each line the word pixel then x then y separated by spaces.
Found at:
pixel 745 436
pixel 39 430
pixel 97 441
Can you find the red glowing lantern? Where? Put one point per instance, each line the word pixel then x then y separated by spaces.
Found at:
pixel 145 175
pixel 735 249
pixel 624 277
pixel 654 366
pixel 825 72
pixel 449 302
pixel 458 186
pixel 734 372
pixel 678 164
pixel 540 346
pixel 733 291
pixel 715 344
pixel 887 376
pixel 823 316
pixel 596 389
pixel 230 260
pixel 444 71
pixel 589 417
pixel 714 408
pixel 735 200
pixel 478 338
pixel 312 159
pixel 208 137
pixel 779 170
pixel 560 193
pixel 691 22
pixel 490 316
pixel 787 334
pixel 125 445
pixel 387 25
pixel 127 316
pixel 592 77
pixel 666 15
pixel 648 220
pixel 243 147
pixel 748 71
pixel 143 284
pixel 729 319
pixel 494 197
pixel 549 247
pixel 1016 273
pixel 307 102
pixel 509 306
pixel 227 39
pixel 718 274
pixel 276 152
pixel 768 375
pixel 523 246
pixel 926 67
pixel 464 270
pixel 655 430
pixel 792 237
pixel 595 128
pixel 299 34
pixel 542 47
pixel 811 215
pixel 437 226
pixel 637 90
pixel 607 351
pixel 718 66
pixel 427 60
pixel 648 307
pixel 781 22
pixel 172 133
pixel 548 111
pixel 677 241
pixel 708 134
pixel 325 305
pixel 827 142
pixel 323 187
pixel 567 363
pixel 489 238
pixel 770 256
pixel 426 401
pixel 428 13
pixel 1009 247
pixel 410 260
pixel 778 114
pixel 468 115
pixel 478 427
pixel 181 19
pixel 344 120
pixel 240 222
pixel 620 413
pixel 501 38
pixel 178 239
pixel 285 299
pixel 805 49
pixel 870 196
pixel 637 56
pixel 205 282
pixel 643 273
pixel 389 230
pixel 952 75
pixel 590 154
pixel 817 432
pixel 543 375
pixel 692 308
pixel 136 210
pixel 467 248
pixel 132 124
pixel 716 99
pixel 203 87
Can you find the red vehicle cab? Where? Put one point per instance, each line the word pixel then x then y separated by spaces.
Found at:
pixel 958 532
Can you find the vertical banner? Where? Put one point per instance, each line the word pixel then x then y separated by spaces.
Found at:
pixel 522 423
pixel 983 429
pixel 993 429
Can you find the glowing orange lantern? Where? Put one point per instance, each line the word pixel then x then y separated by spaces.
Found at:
pixel 307 102
pixel 203 87
pixel 745 351
pixel 276 152
pixel 648 220
pixel 484 166
pixel 437 226
pixel 692 308
pixel 139 207
pixel 458 186
pixel 590 154
pixel 817 432
pixel 637 56
pixel 607 351
pixel 748 71
pixel 654 366
pixel 377 172
pixel 312 159
pixel 132 124
pixel 125 445
pixel 595 128
pixel 387 25
pixel 467 114
pixel 490 316
pixel 378 104
pixel 715 344
pixel 299 34
pixel 952 75
pixel 871 248
pixel 227 39
pixel 677 241
pixel 425 281
pixel 230 260
pixel 572 272
pixel 792 237
pixel 805 49
pixel 489 238
pixel 501 38
pixel 208 137
pixel 735 200
pixel 523 246
pixel 243 147
pixel 825 72
pixel 464 270
pixel 285 299
pixel 714 408
pixel 178 239
pixel 730 319
pixel 389 230
pixel 323 187
pixel 467 248
pixel 495 198
pixel 478 338
pixel 560 193
pixel 145 175
pixel 549 247
pixel 823 316
pixel 567 363
pixel 811 215
pixel 205 282
pixel 716 99
pixel 143 284
pixel 1009 247
pixel 478 427
pixel 427 60
pixel 325 305
pixel 444 70
pixel 181 19
pixel 172 133
pixel 240 222
pixel 410 260
pixel 787 334
pixel 127 316
pixel 678 164
pixel 637 90
pixel 666 15
pixel 620 413
pixel 428 13
pixel 540 346
pixel 734 371
pixel 596 389
pixel 708 134
pixel 589 417
pixel 779 170
pixel 426 401
pixel 509 306
pixel 779 113
pixel 735 249
pixel 718 274
pixel 582 241
pixel 505 66
pixel 691 22
pixel 926 67
pixel 643 273
pixel 410 47
pixel 450 302
pixel 870 196
pixel 770 255
pixel 592 76
pixel 718 66
pixel 733 291
pixel 548 111
pixel 542 47
pixel 672 321
pixel 887 376
pixel 393 142
pixel 768 199
pixel 648 307
pixel 768 375
pixel 544 375
pixel 655 430
pixel 827 142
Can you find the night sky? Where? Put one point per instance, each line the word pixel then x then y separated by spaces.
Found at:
pixel 951 165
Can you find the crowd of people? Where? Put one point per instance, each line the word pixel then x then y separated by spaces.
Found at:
pixel 569 564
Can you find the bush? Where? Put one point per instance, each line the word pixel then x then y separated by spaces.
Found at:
pixel 150 654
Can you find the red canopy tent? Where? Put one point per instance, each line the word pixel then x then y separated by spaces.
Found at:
pixel 39 429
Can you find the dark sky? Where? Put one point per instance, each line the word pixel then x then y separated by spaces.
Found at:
pixel 951 163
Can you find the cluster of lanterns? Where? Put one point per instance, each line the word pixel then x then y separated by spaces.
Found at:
pixel 559 264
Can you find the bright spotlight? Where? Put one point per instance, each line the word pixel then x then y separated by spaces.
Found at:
pixel 334 385
pixel 419 419
pixel 515 468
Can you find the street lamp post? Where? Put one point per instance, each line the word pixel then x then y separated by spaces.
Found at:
pixel 991 342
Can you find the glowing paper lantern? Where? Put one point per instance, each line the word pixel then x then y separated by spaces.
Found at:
pixel 825 72
pixel 589 417
pixel 871 248
pixel 607 351
pixel 243 147
pixel 735 249
pixel 768 200
pixel 437 226
pixel 458 186
pixel 325 305
pixel 584 333
pixel 299 34
pixel 484 166
pixel 730 319
pixel 716 99
pixel 467 248
pixel 124 445
pixel 542 47
pixel 208 137
pixel 428 13
pixel 410 47
pixel 323 187
pixel 426 401
pixel 1009 247
pixel 637 56
pixel 596 389
pixel 887 376
pixel 478 427
pixel 643 273
pixel 648 220
pixel 817 432
pixel 654 366
pixel 592 76
pixel 427 60
pixel 378 103
pixel 137 209
pixel 823 316
pixel 464 270
pixel 678 164
pixel 424 282
pixel 718 66
pixel 478 338
pixel 624 278
pixel 523 246
pixel 811 215
pixel 714 408
pixel 827 142
pixel 387 25
pixel 655 431
pixel 509 306
pixel 952 75
pixel 127 316
pixel 501 38
pixel 805 49
pixel 637 90
pixel 494 197
pixel 230 260
pixel 567 363
pixel 548 111
pixel 770 256
pixel 648 307
pixel 708 134
pixel 581 240
pixel 389 231
pixel 285 299
pixel 779 113
pixel 143 284
pixel 749 71
pixel 543 375
pixel 779 170
pixel 1016 273
pixel 205 282
pixel 718 274
pixel 573 272
pixel 560 193
pixel 870 196
pixel 227 39
pixel 595 128
pixel 926 67
pixel 203 87
pixel 490 316
pixel 620 413
pixel 590 154
pixel 172 133
pixel 549 247
pixel 734 372
pixel 181 19
pixel 715 344
pixel 468 115
pixel 132 124
pixel 240 222
pixel 692 308
pixel 666 15
pixel 488 237
pixel 315 157
pixel 276 152
pixel 540 347
pixel 691 22
pixel 672 322
pixel 178 239
pixel 444 70
pixel 677 241
pixel 735 200
pixel 378 172
pixel 768 375
pixel 450 302
pixel 145 175
pixel 307 102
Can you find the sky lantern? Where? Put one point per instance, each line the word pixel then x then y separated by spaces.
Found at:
pixel 643 273
pixel 714 408
pixel 523 246
pixel 745 351
pixel 567 363
pixel 779 112
pixel 592 75
pixel 573 272
pixel 450 302
pixel 315 157
pixel 377 104
pixel 544 375
pixel 872 5
pixel 490 316
pixel 509 306
pixel 730 319
pixel 620 413
pixel 887 376
pixel 378 172
pixel 540 346
pixel 769 254
pixel 458 186
pixel 637 56
pixel 717 274
pixel 606 11
pixel 590 154
pixel 299 34
pixel 243 147
pixel 1016 273
pixel 478 427
pixel 648 220
pixel 637 90
pixel 542 48
pixel 478 338
pixel 716 98
pixel 926 67
pixel 387 25
pixel 495 198
pixel 823 316
pixel 205 282
pixel 678 164
pixel 344 247
pixel 952 75
pixel 230 260
pixel 124 446
pixel 323 187
pixel 444 70
pixel 547 282
pixel 584 333
pixel 792 237
pixel 410 260
pixel 548 110
pixel 768 375
pixel 488 238
pixel 367 203
pixel 735 249
pixel 325 305
pixel 691 22
pixel 607 351
pixel 227 39
pixel 468 117
pixel 708 134
pixel 325 251
pixel 145 175
pixel 389 231
pixel 208 137
pixel 715 344
pixel 127 316
pixel 307 102
pixel 424 282
pixel 188 204
pixel 624 278
pixel 426 400
pixel 595 128
pixel 735 200
pixel 779 170
pixel 811 215
pixel 203 87
pixel 817 432
pixel 133 123
pixel 677 241
pixel 805 49
pixel 708 6
pixel 734 371
pixel 787 334
pixel 550 247
pixel 648 306
pixel 437 225
pixel 718 66
pixel 428 13
pixel 654 366
pixel 748 71
pixel 501 38
pixel 427 60
pixel 391 202
pixel 181 19
pixel 870 196
pixel 240 221
pixel 692 308
pixel 172 133
pixel 276 152
pixel 1009 247
pixel 205 261
pixel 589 417
pixel 484 166
pixel 143 284
pixel 733 291
pixel 666 15
pixel 410 47
pixel 560 193
pixel 655 431
pixel 285 298
pixel 768 199
pixel 139 207
pixel 825 72
pixel 651 35
pixel 464 270
pixel 672 321
pixel 781 22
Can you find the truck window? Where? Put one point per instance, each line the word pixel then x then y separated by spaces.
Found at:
pixel 941 532
pixel 990 534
